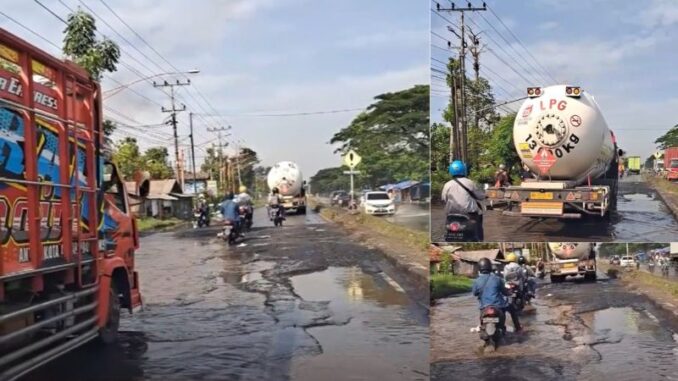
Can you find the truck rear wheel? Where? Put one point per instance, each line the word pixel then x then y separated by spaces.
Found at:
pixel 557 278
pixel 108 334
pixel 590 277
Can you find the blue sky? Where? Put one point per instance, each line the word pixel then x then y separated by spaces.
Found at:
pixel 621 51
pixel 256 56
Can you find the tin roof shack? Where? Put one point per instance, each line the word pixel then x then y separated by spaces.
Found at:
pixel 137 194
pixel 466 262
pixel 437 260
pixel 166 199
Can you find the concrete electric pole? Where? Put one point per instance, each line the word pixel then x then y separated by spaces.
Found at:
pixel 173 121
pixel 462 75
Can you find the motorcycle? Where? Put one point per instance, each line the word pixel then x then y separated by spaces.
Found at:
pixel 461 228
pixel 492 325
pixel 665 269
pixel 230 232
pixel 517 297
pixel 200 219
pixel 246 216
pixel 275 215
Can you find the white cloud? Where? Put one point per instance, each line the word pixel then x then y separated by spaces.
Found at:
pixel 548 25
pixel 388 39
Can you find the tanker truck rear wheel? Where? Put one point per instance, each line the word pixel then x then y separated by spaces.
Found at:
pixel 557 278
pixel 108 334
pixel 590 277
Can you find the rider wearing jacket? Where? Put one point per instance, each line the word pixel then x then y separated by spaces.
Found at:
pixel 462 196
pixel 490 290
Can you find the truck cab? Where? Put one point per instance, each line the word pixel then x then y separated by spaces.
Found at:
pixel 67 237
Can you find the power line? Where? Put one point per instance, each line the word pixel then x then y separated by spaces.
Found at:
pixel 293 113
pixel 521 44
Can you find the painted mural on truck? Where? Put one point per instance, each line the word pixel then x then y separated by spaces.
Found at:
pixel 13 196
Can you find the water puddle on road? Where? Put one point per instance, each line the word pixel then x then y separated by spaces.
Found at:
pixel 639 202
pixel 381 338
pixel 633 345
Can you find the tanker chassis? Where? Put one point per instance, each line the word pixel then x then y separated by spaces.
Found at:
pixel 579 259
pixel 67 238
pixel 561 136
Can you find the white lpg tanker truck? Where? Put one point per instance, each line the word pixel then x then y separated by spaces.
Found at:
pixel 287 177
pixel 572 258
pixel 561 136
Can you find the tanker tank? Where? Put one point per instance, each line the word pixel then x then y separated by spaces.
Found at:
pixel 567 132
pixel 570 250
pixel 287 177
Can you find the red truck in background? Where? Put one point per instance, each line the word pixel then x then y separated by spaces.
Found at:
pixel 67 237
pixel 671 163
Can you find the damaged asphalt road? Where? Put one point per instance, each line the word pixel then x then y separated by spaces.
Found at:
pixel 574 331
pixel 299 302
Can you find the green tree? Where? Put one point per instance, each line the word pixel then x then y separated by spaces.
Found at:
pixel 392 137
pixel 669 139
pixel 82 46
pixel 126 155
pixel 498 149
pixel 155 162
pixel 212 161
pixel 247 160
pixel 329 179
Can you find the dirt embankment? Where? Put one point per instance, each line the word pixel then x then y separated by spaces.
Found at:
pixel 661 290
pixel 667 190
pixel 406 248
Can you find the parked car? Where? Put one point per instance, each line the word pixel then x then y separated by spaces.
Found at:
pixel 614 260
pixel 627 260
pixel 378 203
pixel 334 197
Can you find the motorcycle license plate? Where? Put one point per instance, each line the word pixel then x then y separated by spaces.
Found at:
pixel 491 320
pixel 541 196
pixel 569 265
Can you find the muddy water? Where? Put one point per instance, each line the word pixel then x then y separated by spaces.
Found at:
pixel 414 216
pixel 275 308
pixel 641 217
pixel 369 345
pixel 570 336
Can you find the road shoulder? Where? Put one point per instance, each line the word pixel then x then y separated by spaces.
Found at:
pixel 406 249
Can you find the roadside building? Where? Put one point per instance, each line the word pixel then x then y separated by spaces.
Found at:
pixel 166 199
pixel 466 262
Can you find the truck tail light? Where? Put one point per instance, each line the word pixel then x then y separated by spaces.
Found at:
pixel 455 226
pixel 533 92
pixel 573 91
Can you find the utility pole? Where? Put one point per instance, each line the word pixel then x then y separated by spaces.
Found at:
pixel 174 111
pixel 462 77
pixel 475 50
pixel 190 123
pixel 221 145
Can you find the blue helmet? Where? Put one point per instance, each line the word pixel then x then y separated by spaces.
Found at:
pixel 458 168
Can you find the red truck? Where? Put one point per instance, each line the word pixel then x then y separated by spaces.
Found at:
pixel 67 237
pixel 671 163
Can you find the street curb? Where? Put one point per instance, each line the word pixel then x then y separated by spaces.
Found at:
pixel 416 273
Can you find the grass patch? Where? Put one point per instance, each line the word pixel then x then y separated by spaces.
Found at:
pixel 443 285
pixel 662 184
pixel 401 234
pixel 146 224
pixel 645 280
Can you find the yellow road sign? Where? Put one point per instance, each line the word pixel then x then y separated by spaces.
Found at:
pixel 351 159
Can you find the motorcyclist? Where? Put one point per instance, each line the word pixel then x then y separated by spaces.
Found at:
pixel 490 290
pixel 462 196
pixel 244 199
pixel 528 276
pixel 231 211
pixel 275 201
pixel 501 177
